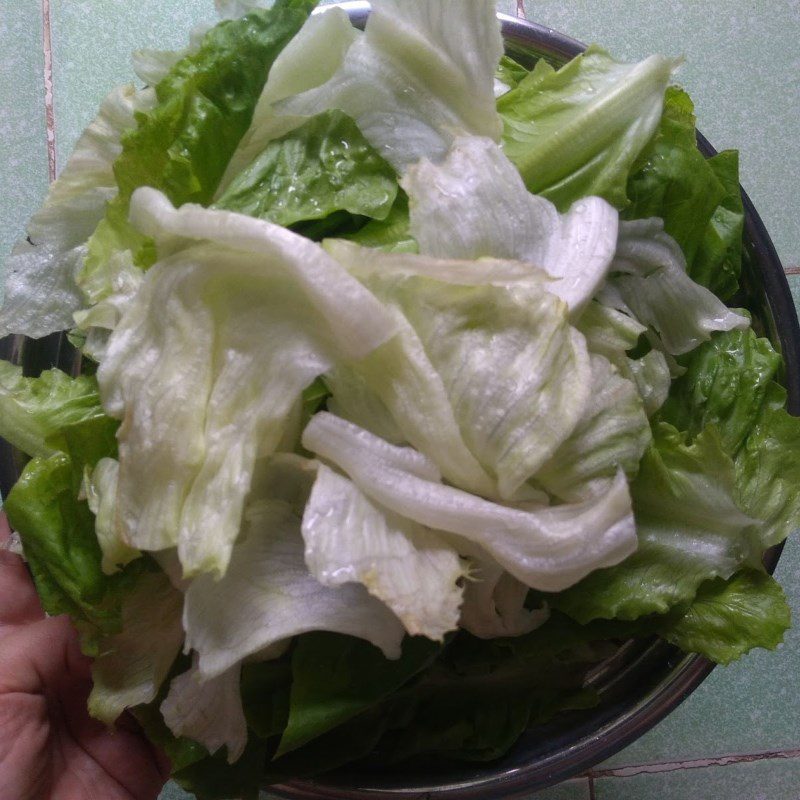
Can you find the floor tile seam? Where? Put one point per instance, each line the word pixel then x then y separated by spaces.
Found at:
pixel 696 763
pixel 794 269
pixel 521 9
pixel 50 122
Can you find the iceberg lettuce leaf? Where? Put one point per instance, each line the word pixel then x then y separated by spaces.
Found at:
pixel 201 348
pixel 267 596
pixel 42 284
pixel 651 280
pixel 544 547
pixel 478 340
pixel 474 204
pixel 208 710
pixel 415 79
pixel 34 410
pixel 613 434
pixel 134 662
pixel 413 570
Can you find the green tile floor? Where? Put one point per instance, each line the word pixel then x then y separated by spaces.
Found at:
pixel 738 736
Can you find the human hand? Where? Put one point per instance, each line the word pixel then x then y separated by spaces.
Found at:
pixel 50 749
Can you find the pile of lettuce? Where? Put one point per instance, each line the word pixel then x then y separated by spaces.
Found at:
pixel 409 392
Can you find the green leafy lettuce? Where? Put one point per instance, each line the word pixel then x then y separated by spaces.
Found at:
pixel 321 167
pixel 699 199
pixel 204 106
pixel 568 142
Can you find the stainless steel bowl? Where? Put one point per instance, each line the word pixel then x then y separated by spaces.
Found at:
pixel 645 680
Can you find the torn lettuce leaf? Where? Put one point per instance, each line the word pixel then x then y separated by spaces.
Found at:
pixel 100 488
pixel 729 618
pixel 208 710
pixel 548 547
pixel 183 143
pixel 321 167
pixel 698 199
pixel 577 131
pixel 689 528
pixel 413 570
pixel 725 384
pixel 281 312
pixel 649 273
pixel 494 600
pixel 268 596
pixel 415 79
pixel 34 410
pixel 58 535
pixel 768 469
pixel 509 72
pixel 42 286
pixel 132 663
pixel 329 36
pixel 392 235
pixel 474 204
pixel 613 434
pixel 478 339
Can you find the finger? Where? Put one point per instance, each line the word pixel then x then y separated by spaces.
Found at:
pixel 122 751
pixel 19 603
pixel 42 657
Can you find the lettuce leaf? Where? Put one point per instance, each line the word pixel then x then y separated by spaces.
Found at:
pixel 42 286
pixel 33 411
pixel 393 234
pixel 612 434
pixel 651 280
pixel 336 677
pixel 474 204
pixel 133 663
pixel 478 339
pixel 689 529
pixel 100 488
pixel 58 534
pixel 329 36
pixel 577 131
pixel 321 167
pixel 203 107
pixel 725 385
pixel 281 311
pixel 729 384
pixel 697 198
pixel 768 469
pixel 414 571
pixel 545 547
pixel 415 79
pixel 208 710
pixel 729 618
pixel 267 596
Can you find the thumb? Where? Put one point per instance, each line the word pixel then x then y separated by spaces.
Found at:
pixel 19 604
pixel 42 656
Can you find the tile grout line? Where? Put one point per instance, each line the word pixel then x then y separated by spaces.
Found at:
pixel 48 90
pixel 697 763
pixel 793 270
pixel 521 9
pixel 590 779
